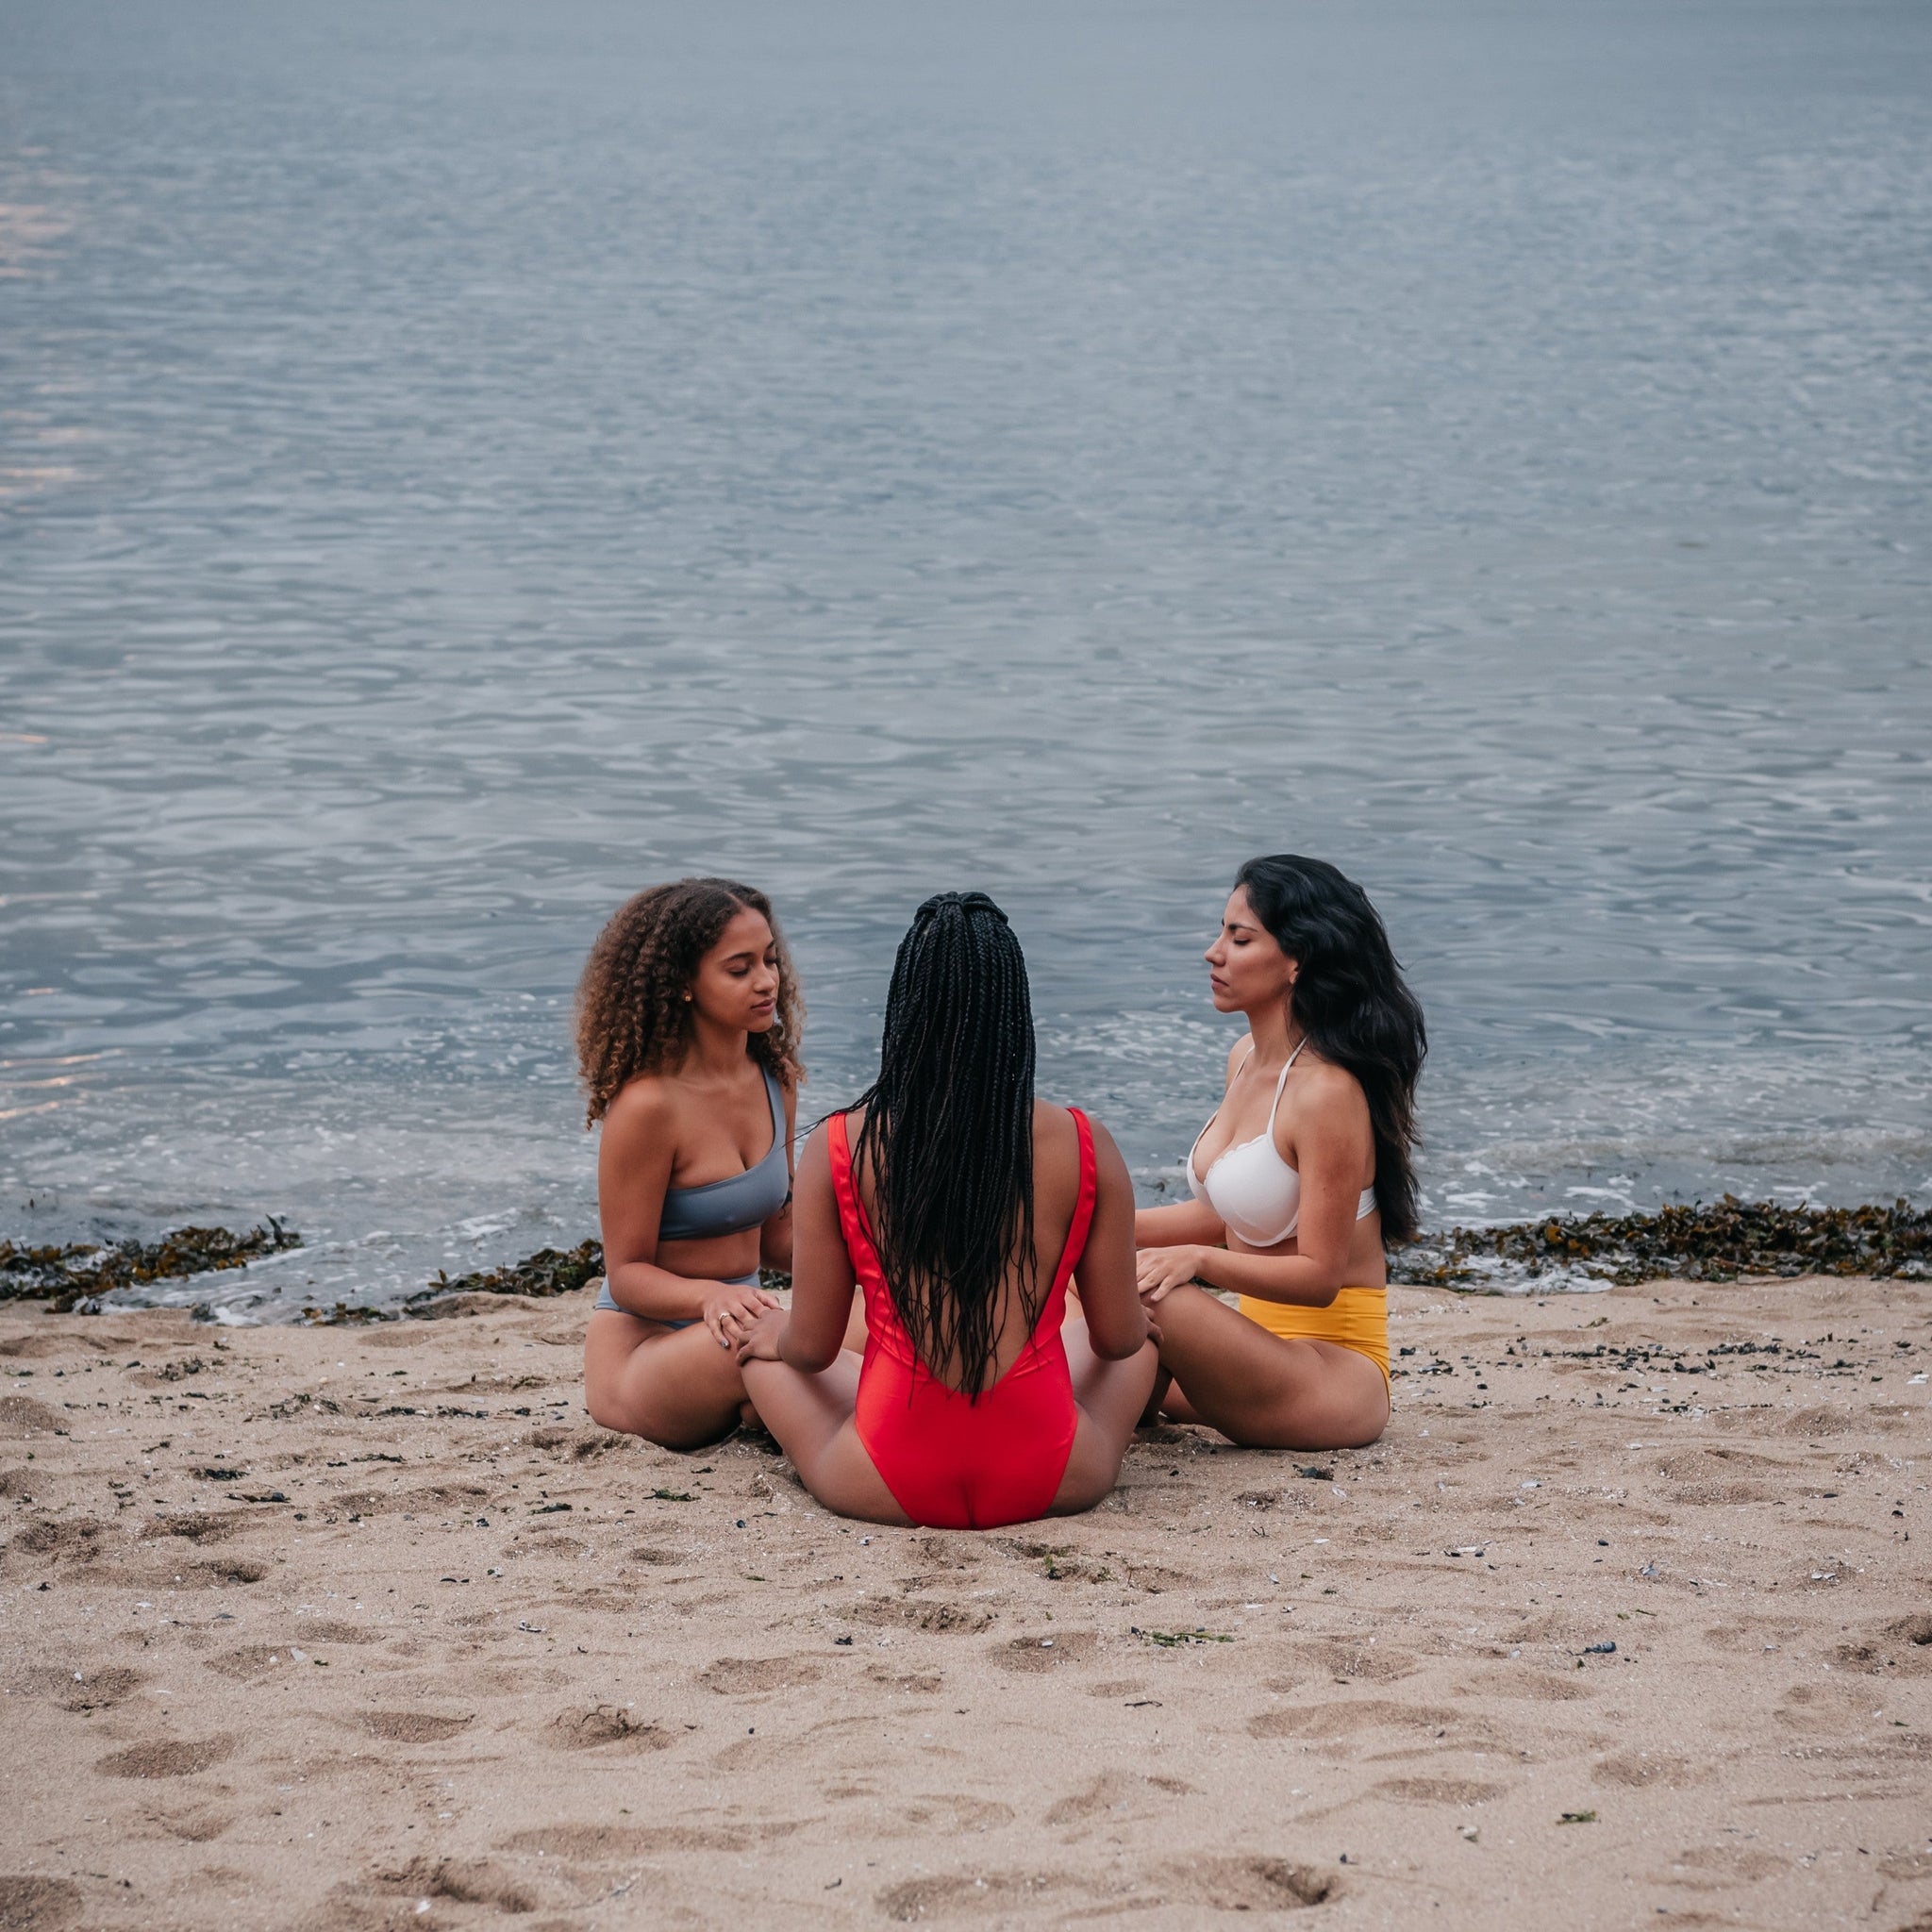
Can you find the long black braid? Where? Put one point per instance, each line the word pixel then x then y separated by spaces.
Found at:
pixel 948 1133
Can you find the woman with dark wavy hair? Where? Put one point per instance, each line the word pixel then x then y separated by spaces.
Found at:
pixel 1301 1174
pixel 688 1024
pixel 963 1208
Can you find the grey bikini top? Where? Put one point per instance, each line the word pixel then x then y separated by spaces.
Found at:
pixel 740 1200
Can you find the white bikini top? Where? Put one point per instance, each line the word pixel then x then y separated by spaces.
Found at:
pixel 1251 1187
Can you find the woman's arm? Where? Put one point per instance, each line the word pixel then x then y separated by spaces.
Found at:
pixel 1330 1142
pixel 1178 1222
pixel 634 1166
pixel 1109 1298
pixel 774 1237
pixel 812 1332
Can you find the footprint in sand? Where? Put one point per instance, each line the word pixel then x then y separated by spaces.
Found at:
pixel 950 1813
pixel 1048 1652
pixel 1438 1791
pixel 1901 1648
pixel 230 1570
pixel 1349 1718
pixel 1239 1883
pixel 751 1676
pixel 922 1613
pixel 193 1827
pixel 21 1419
pixel 1000 1893
pixel 1157 1580
pixel 171 1758
pixel 1344 1657
pixel 608 1724
pixel 1634 1770
pixel 197 1526
pixel 76 1542
pixel 411 1726
pixel 589 1844
pixel 46 1904
pixel 464 1881
pixel 84 1690
pixel 1717 1868
pixel 915 1683
pixel 1120 1795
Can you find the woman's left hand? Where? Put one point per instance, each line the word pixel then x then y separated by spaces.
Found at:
pixel 1163 1269
pixel 761 1343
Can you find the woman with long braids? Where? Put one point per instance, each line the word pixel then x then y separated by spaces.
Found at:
pixel 1299 1178
pixel 962 1208
pixel 688 1024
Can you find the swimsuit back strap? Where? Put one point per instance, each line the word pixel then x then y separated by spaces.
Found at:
pixel 1082 1223
pixel 859 1242
pixel 865 1251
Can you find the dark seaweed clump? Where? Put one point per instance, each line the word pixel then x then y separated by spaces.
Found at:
pixel 63 1277
pixel 1717 1241
pixel 548 1271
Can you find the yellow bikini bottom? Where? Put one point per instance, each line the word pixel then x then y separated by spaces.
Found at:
pixel 1358 1318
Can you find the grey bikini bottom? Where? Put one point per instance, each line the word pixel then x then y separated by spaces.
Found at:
pixel 605 1300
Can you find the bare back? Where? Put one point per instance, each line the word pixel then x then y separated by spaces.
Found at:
pixel 1106 1267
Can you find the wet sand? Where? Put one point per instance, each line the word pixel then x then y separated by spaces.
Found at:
pixel 371 1628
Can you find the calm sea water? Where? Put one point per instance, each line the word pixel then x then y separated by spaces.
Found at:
pixel 459 463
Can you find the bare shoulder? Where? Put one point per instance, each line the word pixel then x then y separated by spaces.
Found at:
pixel 1330 1089
pixel 1236 1055
pixel 1056 1139
pixel 647 1109
pixel 815 1155
pixel 1056 1144
pixel 1108 1160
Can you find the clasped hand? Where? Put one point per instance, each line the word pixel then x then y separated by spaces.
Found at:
pixel 1162 1270
pixel 759 1343
pixel 731 1310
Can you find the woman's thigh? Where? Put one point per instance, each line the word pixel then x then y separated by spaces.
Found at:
pixel 1264 1391
pixel 674 1387
pixel 812 1418
pixel 1108 1396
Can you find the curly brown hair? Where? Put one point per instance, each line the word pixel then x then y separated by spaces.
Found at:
pixel 632 1016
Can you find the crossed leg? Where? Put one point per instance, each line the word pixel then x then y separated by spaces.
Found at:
pixel 812 1418
pixel 674 1387
pixel 1109 1397
pixel 1263 1390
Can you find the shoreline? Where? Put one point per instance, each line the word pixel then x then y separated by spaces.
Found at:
pixel 309 1626
pixel 1727 1240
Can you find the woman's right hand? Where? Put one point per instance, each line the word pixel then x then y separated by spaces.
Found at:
pixel 730 1310
pixel 761 1343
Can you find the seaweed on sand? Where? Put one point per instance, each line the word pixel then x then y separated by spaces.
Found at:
pixel 1715 1241
pixel 65 1275
pixel 548 1271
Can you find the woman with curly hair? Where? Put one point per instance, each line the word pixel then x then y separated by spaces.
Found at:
pixel 962 1210
pixel 1304 1173
pixel 688 1024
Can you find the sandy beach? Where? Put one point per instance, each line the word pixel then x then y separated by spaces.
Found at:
pixel 1626 1621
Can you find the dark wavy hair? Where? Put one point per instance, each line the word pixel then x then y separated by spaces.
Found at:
pixel 632 1016
pixel 948 1133
pixel 1353 1004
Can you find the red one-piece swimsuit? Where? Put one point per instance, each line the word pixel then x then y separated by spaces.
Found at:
pixel 951 1463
